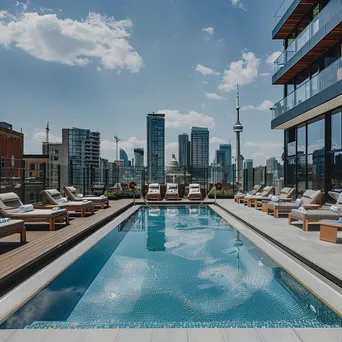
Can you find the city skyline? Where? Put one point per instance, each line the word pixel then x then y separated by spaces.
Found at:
pixel 193 88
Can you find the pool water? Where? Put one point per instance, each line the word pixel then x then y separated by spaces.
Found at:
pixel 174 267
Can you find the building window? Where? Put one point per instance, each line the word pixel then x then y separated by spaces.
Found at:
pixel 336 177
pixel 291 142
pixel 32 166
pixel 291 172
pixel 336 131
pixel 3 162
pixel 316 136
pixel 301 140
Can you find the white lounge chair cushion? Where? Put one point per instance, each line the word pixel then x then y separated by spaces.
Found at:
pixel 335 209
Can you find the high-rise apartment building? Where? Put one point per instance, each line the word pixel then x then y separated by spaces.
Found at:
pixel 223 157
pixel 248 179
pixel 310 70
pixel 139 157
pixel 155 131
pixel 183 150
pixel 83 150
pixel 199 154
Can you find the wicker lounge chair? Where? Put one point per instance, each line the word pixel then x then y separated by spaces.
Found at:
pixel 195 192
pixel 72 195
pixel 310 199
pixel 265 193
pixel 286 194
pixel 51 199
pixel 13 227
pixel 239 198
pixel 171 192
pixel 10 204
pixel 315 215
pixel 153 192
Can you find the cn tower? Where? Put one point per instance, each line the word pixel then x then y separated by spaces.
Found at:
pixel 238 128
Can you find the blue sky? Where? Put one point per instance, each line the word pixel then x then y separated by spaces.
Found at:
pixel 104 65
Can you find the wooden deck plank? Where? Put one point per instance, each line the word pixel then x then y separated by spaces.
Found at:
pixel 40 243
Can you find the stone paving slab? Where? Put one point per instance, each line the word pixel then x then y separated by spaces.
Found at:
pixel 173 335
pixel 306 244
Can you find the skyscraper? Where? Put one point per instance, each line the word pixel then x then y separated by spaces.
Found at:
pixel 183 150
pixel 155 131
pixel 83 151
pixel 199 147
pixel 138 157
pixel 199 154
pixel 124 157
pixel 224 158
pixel 248 181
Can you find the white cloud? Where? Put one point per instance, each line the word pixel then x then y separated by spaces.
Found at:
pixel 271 58
pixel 239 4
pixel 265 105
pixel 24 5
pixel 72 42
pixel 209 30
pixel 214 96
pixel 173 146
pixel 205 70
pixel 241 72
pixel 175 119
pixel 205 82
pixel 108 147
pixel 39 135
pixel 265 74
pixel 216 140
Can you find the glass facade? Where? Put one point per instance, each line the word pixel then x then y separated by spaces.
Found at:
pixel 199 154
pixel 314 154
pixel 156 147
pixel 183 150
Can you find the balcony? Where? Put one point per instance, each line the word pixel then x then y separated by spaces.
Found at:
pixel 288 16
pixel 310 95
pixel 323 32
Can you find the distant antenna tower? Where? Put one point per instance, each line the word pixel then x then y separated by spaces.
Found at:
pixel 47 132
pixel 117 139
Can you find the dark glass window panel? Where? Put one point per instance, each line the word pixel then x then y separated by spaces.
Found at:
pixel 301 140
pixel 316 136
pixel 301 175
pixel 336 131
pixel 336 177
pixel 291 172
pixel 316 170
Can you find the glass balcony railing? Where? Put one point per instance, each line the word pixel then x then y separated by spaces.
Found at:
pixel 281 11
pixel 316 24
pixel 327 77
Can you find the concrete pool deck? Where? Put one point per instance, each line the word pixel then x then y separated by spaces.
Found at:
pixel 323 257
pixel 174 335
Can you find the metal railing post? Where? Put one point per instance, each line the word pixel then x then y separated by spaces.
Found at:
pixel 44 176
pixel 0 170
pixel 23 181
pixel 71 176
pixel 59 177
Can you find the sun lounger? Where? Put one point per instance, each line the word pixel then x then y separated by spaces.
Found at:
pixel 72 195
pixel 194 192
pixel 265 193
pixel 239 198
pixel 10 204
pixel 286 194
pixel 52 198
pixel 153 192
pixel 310 199
pixel 316 215
pixel 13 227
pixel 328 230
pixel 171 192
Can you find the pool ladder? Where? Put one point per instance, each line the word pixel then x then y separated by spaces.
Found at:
pixel 214 187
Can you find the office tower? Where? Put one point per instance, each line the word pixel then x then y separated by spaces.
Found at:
pixel 138 157
pixel 248 179
pixel 223 157
pixel 83 150
pixel 199 154
pixel 259 175
pixel 310 71
pixel 124 157
pixel 155 131
pixel 183 150
pixel 271 164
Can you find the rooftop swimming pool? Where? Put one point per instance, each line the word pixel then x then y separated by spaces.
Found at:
pixel 173 267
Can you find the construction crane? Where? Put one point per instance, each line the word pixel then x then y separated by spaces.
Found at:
pixel 117 139
pixel 47 132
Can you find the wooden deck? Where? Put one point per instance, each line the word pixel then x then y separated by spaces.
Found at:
pixel 18 262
